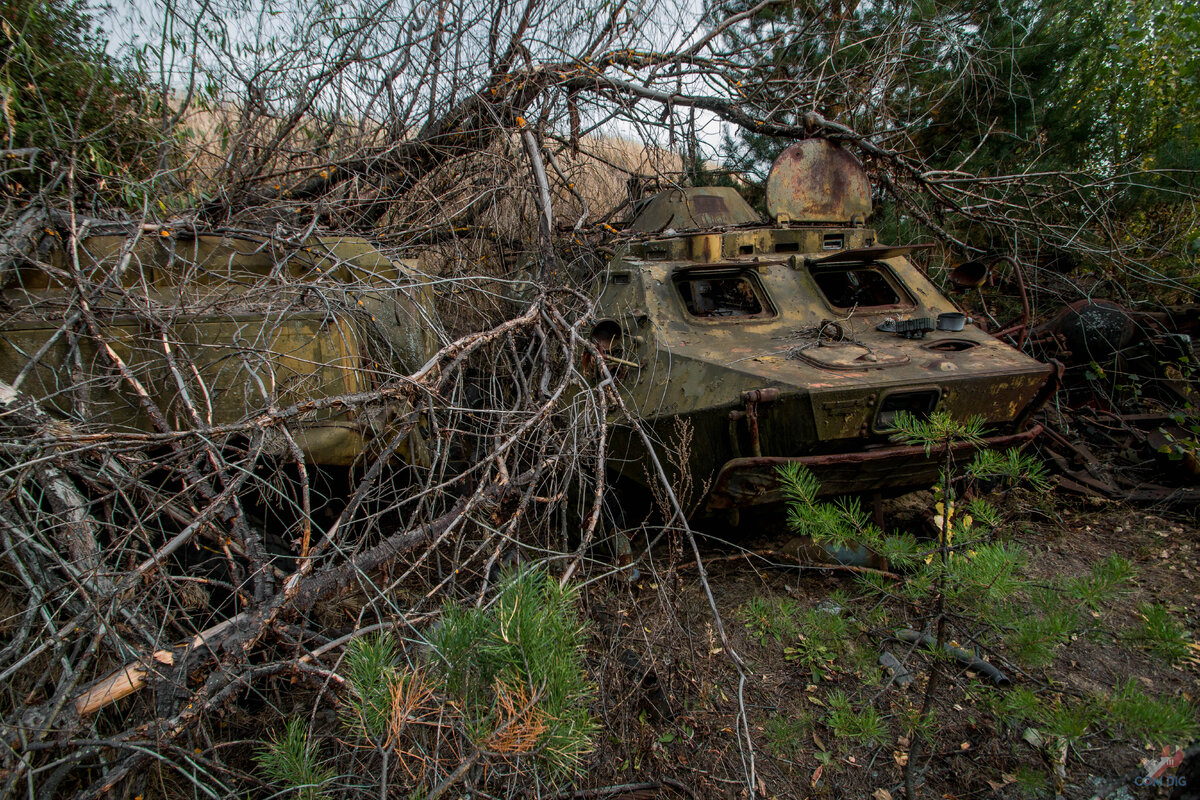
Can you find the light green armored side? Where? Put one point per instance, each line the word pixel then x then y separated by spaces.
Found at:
pixel 217 330
pixel 796 340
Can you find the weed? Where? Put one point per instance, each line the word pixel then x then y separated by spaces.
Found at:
pixel 516 671
pixel 862 724
pixel 771 617
pixel 814 655
pixel 787 737
pixel 865 663
pixel 919 726
pixel 823 641
pixel 815 638
pixel 1106 579
pixel 825 624
pixel 1160 722
pixel 1161 633
pixel 292 761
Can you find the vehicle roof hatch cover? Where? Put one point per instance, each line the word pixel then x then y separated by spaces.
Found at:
pixel 815 180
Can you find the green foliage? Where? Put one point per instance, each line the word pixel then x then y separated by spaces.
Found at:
pixel 293 762
pixel 843 523
pixel 985 575
pixel 371 673
pixel 1107 578
pixel 788 737
pixel 515 668
pixel 994 88
pixel 983 580
pixel 1169 721
pixel 773 617
pixel 1161 633
pixel 1016 707
pixel 1032 781
pixel 1010 467
pixel 814 638
pixel 61 92
pixel 859 722
pixel 1072 721
pixel 939 428
pixel 1020 707
pixel 1035 638
pixel 816 654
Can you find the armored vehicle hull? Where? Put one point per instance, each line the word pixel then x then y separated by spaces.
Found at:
pixel 217 330
pixel 766 340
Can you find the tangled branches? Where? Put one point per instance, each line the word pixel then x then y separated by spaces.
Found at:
pixel 182 526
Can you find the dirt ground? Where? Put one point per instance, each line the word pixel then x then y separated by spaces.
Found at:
pixel 670 694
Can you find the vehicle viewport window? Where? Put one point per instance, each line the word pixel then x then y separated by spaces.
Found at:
pixel 725 296
pixel 863 287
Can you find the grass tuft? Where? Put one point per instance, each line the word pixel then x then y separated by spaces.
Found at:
pixel 862 724
pixel 293 762
pixel 1108 577
pixel 1161 633
pixel 787 738
pixel 1167 721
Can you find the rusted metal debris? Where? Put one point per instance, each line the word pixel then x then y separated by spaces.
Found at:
pixel 1124 424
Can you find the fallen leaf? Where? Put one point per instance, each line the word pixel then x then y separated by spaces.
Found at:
pixel 881 794
pixel 901 759
pixel 816 776
pixel 1033 736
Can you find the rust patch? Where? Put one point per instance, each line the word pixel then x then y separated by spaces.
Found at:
pixel 746 482
pixel 817 181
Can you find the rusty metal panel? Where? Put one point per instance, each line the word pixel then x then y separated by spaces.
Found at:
pixel 747 482
pixel 818 181
pixel 694 209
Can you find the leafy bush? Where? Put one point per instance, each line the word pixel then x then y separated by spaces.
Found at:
pixel 61 92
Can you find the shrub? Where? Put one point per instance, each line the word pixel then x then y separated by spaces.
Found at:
pixel 292 761
pixel 515 670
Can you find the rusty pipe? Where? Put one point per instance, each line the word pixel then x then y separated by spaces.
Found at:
pixel 968 660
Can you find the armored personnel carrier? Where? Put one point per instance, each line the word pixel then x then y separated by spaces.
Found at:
pixel 216 329
pixel 795 340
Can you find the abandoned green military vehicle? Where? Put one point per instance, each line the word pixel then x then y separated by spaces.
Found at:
pixel 216 330
pixel 797 340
